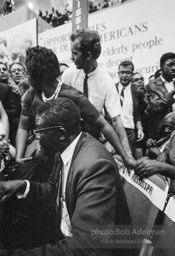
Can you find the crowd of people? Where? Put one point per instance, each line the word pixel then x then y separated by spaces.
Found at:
pixel 64 127
pixel 60 17
pixel 8 7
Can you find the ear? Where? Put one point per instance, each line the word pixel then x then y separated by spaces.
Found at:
pixel 62 134
pixel 89 55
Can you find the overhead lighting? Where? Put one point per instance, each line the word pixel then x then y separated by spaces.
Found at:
pixel 30 5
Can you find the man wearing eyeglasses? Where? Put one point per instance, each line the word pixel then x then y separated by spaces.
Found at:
pixel 17 71
pixel 129 100
pixel 84 183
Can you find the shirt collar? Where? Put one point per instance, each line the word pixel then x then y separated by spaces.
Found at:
pixel 120 86
pixel 93 72
pixel 165 81
pixel 67 154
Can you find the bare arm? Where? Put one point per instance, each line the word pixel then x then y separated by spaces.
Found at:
pixel 120 130
pixel 113 138
pixel 147 167
pixel 21 137
pixel 4 121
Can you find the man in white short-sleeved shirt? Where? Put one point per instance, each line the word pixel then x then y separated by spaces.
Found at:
pixel 101 88
pixel 86 48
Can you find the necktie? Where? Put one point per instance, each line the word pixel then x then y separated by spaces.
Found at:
pixel 59 187
pixel 85 86
pixel 122 96
pixel 59 164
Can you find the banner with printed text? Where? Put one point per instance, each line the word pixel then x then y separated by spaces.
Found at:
pixel 80 14
pixel 139 31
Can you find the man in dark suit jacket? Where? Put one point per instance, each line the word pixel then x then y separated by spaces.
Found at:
pixel 130 103
pixel 86 186
pixel 160 95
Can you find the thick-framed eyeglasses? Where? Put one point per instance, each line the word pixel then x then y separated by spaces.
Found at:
pixel 47 129
pixel 138 79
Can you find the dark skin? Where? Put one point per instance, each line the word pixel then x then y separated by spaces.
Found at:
pixel 10 188
pixel 147 167
pixel 104 126
pixel 168 70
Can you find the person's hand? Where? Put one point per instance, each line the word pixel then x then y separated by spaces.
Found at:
pixel 140 135
pixel 10 188
pixel 4 146
pixel 151 143
pixel 146 167
pixel 130 162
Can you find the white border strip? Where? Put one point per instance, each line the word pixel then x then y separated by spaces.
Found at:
pixel 156 195
pixel 170 209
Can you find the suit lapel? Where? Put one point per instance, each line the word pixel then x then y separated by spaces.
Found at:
pixel 134 97
pixel 70 184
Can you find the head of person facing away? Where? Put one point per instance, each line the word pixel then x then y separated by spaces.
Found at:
pixel 57 125
pixel 167 65
pixel 85 48
pixel 42 67
pixel 138 80
pixel 125 72
pixel 4 73
pixel 17 72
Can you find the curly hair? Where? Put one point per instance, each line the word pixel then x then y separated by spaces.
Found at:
pixel 42 64
pixel 89 42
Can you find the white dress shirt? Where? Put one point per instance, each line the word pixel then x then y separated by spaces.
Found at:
pixel 101 88
pixel 66 157
pixel 127 108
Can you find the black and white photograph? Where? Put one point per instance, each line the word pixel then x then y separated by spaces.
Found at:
pixel 87 128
